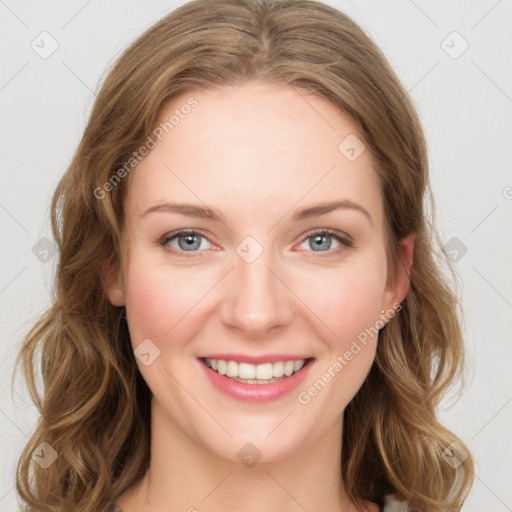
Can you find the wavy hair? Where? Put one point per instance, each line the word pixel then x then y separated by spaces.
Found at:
pixel 94 404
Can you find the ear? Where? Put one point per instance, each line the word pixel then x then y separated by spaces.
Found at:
pixel 114 285
pixel 398 285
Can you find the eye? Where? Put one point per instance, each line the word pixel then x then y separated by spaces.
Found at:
pixel 194 242
pixel 183 241
pixel 321 240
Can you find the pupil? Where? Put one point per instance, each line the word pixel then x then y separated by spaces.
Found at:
pixel 190 240
pixel 320 241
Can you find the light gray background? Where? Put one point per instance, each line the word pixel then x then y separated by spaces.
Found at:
pixel 466 107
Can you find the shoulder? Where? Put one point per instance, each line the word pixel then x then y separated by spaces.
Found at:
pixel 393 504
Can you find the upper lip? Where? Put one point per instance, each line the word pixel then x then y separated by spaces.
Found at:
pixel 266 358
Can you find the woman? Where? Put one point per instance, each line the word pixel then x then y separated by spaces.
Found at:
pixel 248 312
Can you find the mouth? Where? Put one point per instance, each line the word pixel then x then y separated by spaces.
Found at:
pixel 258 383
pixel 256 374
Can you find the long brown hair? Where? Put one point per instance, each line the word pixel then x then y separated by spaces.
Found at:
pixel 94 406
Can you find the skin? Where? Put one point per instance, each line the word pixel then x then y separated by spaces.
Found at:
pixel 257 152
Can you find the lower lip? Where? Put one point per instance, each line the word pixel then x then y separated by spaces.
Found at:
pixel 256 392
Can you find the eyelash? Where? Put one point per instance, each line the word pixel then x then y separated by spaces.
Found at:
pixel 345 241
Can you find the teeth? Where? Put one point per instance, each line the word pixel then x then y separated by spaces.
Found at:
pixel 232 370
pixel 244 370
pixel 263 371
pixel 288 368
pixel 278 369
pixel 252 372
pixel 297 365
pixel 222 366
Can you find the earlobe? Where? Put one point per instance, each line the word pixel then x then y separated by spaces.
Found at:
pixel 114 286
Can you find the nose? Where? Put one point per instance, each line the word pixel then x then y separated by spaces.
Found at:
pixel 256 298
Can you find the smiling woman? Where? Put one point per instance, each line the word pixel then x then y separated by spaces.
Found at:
pixel 253 317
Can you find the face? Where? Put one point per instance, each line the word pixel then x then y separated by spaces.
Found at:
pixel 262 280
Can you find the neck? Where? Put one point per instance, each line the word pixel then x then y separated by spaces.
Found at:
pixel 185 476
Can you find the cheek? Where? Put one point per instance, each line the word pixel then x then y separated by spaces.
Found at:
pixel 158 299
pixel 347 299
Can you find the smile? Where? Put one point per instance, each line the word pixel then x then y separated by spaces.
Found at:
pixel 255 373
pixel 261 382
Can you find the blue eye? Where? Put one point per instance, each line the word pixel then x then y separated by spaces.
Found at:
pixel 187 240
pixel 321 240
pixel 188 243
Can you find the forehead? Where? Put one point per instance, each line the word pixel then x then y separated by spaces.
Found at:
pixel 254 146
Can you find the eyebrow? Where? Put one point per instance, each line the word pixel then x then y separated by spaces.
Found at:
pixel 206 212
pixel 323 208
pixel 192 210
